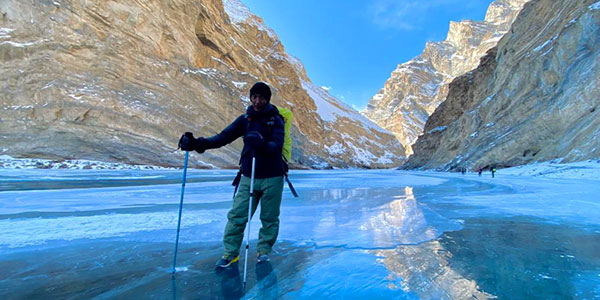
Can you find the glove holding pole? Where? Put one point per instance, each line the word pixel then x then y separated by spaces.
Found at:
pixel 187 142
pixel 256 142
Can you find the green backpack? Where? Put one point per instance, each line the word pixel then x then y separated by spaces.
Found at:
pixel 286 114
pixel 286 152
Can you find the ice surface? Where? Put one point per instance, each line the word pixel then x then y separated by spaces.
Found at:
pixel 529 232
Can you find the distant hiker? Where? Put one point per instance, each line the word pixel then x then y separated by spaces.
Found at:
pixel 463 171
pixel 493 171
pixel 262 127
pixel 479 170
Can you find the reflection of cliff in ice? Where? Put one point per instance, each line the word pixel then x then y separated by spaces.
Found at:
pixel 403 222
pixel 423 269
pixel 363 218
pixel 346 195
pixel 341 212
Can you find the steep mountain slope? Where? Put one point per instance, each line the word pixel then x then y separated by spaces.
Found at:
pixel 534 98
pixel 120 81
pixel 417 87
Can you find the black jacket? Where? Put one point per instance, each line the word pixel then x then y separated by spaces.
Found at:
pixel 269 123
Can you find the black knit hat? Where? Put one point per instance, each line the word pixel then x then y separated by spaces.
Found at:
pixel 262 89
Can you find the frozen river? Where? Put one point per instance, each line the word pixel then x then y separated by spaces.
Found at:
pixel 83 234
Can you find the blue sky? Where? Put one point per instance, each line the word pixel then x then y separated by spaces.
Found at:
pixel 352 46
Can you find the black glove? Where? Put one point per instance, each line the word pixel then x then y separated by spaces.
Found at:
pixel 187 142
pixel 254 140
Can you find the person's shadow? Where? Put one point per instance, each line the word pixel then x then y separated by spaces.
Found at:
pixel 231 283
pixel 266 281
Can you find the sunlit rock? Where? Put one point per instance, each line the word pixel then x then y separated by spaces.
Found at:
pixel 120 81
pixel 416 88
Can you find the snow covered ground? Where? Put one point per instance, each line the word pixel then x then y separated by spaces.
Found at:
pixel 9 162
pixel 589 169
pixel 530 232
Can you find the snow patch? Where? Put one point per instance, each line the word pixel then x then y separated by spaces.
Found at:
pixel 361 156
pixel 335 149
pixel 203 71
pixel 75 97
pixel 8 162
pixel 540 47
pixel 386 158
pixel 238 84
pixel 329 108
pixel 439 128
pixel 571 22
pixel 494 40
pixel 589 169
pixel 595 6
pixel 21 45
pixel 5 32
pixel 239 13
pixel 16 107
pixel 377 97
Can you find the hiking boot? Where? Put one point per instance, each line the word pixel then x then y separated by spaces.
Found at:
pixel 226 261
pixel 260 257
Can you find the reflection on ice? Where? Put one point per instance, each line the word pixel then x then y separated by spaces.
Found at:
pixel 404 221
pixel 425 270
pixel 421 269
pixel 362 218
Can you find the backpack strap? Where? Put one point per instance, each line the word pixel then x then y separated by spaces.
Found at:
pixel 291 186
pixel 236 181
pixel 286 168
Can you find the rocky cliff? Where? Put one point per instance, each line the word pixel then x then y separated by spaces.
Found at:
pixel 120 81
pixel 533 98
pixel 416 88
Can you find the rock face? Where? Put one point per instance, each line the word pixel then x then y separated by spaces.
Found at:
pixel 120 81
pixel 533 98
pixel 417 87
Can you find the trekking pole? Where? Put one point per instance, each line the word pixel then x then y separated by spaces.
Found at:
pixel 185 162
pixel 249 218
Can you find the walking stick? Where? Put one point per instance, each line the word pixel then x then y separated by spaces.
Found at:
pixel 185 162
pixel 249 218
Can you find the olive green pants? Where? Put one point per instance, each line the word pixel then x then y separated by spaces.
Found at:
pixel 268 193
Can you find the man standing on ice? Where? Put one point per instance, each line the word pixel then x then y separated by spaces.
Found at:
pixel 263 130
